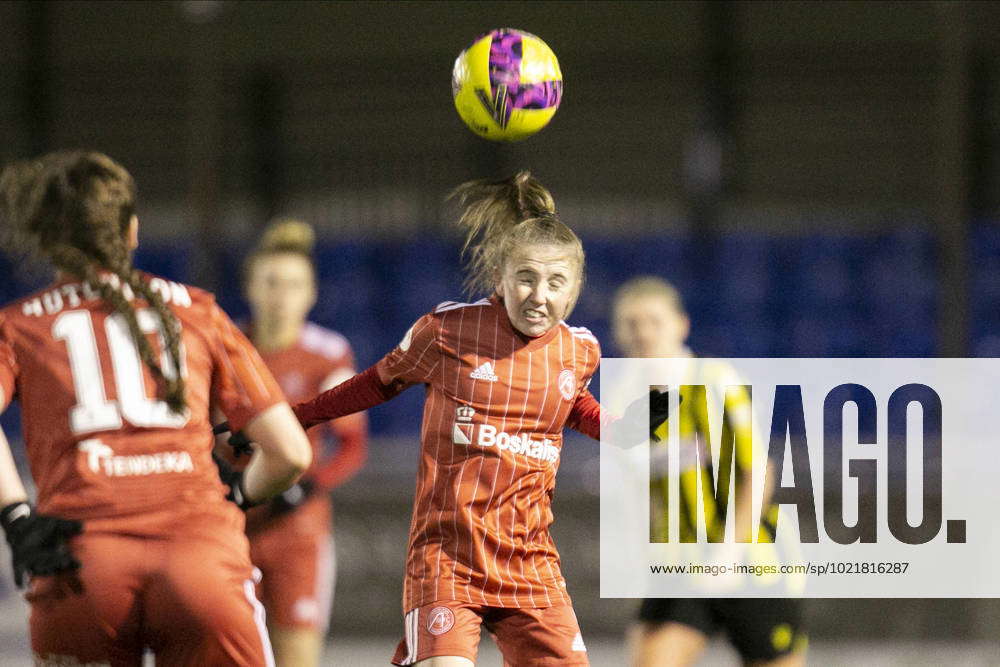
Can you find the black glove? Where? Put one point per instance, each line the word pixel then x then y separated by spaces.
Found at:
pixel 39 543
pixel 234 480
pixel 629 431
pixel 238 441
pixel 659 411
pixel 291 498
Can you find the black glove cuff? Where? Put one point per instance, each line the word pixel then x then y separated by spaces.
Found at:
pixel 13 513
pixel 238 440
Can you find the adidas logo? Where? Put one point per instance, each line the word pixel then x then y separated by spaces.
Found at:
pixel 578 643
pixel 484 372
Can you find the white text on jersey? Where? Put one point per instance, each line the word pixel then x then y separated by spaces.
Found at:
pixel 519 443
pixel 101 458
pixel 72 295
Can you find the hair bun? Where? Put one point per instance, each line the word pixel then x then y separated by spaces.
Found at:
pixel 530 198
pixel 288 235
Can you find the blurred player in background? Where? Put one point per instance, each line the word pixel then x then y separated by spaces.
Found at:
pixel 503 376
pixel 650 321
pixel 133 543
pixel 290 537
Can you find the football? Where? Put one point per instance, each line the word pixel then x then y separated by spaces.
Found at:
pixel 507 85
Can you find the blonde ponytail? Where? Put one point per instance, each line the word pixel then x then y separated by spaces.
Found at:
pixel 500 216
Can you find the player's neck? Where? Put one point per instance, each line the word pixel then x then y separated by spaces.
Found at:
pixel 274 336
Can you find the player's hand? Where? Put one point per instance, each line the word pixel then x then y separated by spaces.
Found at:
pixel 238 441
pixel 292 497
pixel 233 479
pixel 631 430
pixel 659 411
pixel 39 543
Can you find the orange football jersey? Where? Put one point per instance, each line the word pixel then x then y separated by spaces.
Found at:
pixel 100 442
pixel 491 438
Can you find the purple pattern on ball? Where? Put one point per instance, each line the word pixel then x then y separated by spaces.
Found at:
pixel 543 95
pixel 506 92
pixel 505 60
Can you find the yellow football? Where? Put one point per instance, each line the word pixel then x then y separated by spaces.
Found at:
pixel 507 85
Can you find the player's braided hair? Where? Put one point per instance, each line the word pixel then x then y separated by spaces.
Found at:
pixel 75 207
pixel 502 216
pixel 284 235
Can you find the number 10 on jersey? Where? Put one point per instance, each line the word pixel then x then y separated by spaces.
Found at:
pixel 93 410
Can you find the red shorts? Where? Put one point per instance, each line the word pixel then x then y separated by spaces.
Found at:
pixel 526 637
pixel 295 557
pixel 191 601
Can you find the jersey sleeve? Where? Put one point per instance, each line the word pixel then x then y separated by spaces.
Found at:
pixel 242 386
pixel 9 369
pixel 417 356
pixel 350 431
pixel 591 360
pixel 586 415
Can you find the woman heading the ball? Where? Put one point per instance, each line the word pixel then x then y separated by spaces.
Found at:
pixel 503 376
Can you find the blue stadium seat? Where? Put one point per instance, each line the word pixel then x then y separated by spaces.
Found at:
pixel 742 270
pixel 820 271
pixel 171 260
pixel 416 276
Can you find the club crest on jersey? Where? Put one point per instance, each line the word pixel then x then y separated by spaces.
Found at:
pixel 484 372
pixel 440 620
pixel 461 433
pixel 567 384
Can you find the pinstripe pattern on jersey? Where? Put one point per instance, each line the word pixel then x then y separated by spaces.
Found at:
pixel 479 531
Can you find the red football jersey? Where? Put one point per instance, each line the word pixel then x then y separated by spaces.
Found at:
pixel 101 445
pixel 496 405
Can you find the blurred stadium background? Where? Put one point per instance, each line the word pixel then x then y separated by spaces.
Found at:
pixel 819 179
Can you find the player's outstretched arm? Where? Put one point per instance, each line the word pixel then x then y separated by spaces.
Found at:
pixel 411 362
pixel 587 417
pixel 364 390
pixel 282 454
pixel 586 414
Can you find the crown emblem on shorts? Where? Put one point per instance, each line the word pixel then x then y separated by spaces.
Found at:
pixel 464 413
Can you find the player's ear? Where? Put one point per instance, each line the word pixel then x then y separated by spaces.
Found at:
pixel 313 293
pixel 133 233
pixel 498 283
pixel 685 328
